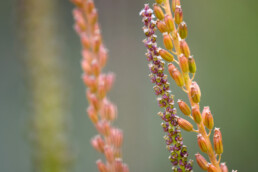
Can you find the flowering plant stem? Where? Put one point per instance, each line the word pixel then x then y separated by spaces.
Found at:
pixel 188 83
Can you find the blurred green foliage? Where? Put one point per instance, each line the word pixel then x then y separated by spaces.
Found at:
pixel 223 40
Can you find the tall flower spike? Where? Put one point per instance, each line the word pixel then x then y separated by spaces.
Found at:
pixel 178 152
pixel 101 111
pixel 183 75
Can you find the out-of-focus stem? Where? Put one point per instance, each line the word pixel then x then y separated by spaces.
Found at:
pixel 188 83
pixel 45 79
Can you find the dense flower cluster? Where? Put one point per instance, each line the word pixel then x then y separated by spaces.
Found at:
pixel 178 151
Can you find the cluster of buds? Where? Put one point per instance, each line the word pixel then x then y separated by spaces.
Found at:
pixel 177 52
pixel 101 111
pixel 171 122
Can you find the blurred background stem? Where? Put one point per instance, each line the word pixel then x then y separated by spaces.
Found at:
pixel 43 63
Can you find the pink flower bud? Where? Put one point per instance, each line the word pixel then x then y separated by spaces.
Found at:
pixel 183 61
pixel 196 114
pixel 109 154
pixel 94 101
pixel 158 12
pixel 166 55
pixel 217 132
pixel 162 26
pixel 195 92
pixel 85 41
pixel 211 168
pixel 185 109
pixel 192 65
pixel 93 17
pixel 178 14
pixel 202 143
pixel 169 23
pixel 101 90
pixel 182 29
pixel 96 43
pixel 98 143
pixel 92 114
pixel 90 81
pixel 95 67
pixel 167 41
pixel 118 165
pixel 108 111
pixel 223 167
pixel 110 78
pixel 86 67
pixel 207 118
pixel 102 56
pixel 184 48
pixel 201 161
pixel 125 168
pixel 184 124
pixel 101 166
pixel 117 137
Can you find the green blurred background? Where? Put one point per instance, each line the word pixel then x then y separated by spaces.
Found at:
pixel 222 37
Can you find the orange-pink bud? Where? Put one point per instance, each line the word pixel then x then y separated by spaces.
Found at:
pixel 158 12
pixel 96 43
pixel 178 14
pixel 223 167
pixel 98 143
pixel 92 114
pixel 184 48
pixel 195 92
pixel 207 118
pixel 86 66
pixel 117 137
pixel 90 6
pixel 85 41
pixel 184 107
pixel 217 132
pixel 184 124
pixel 174 4
pixel 102 56
pixel 109 153
pixel 101 166
pixel 108 111
pixel 183 61
pixel 182 29
pixel 202 143
pixel 192 65
pixel 93 17
pixel 201 161
pixel 162 26
pixel 109 80
pixel 196 114
pixel 169 23
pixel 217 142
pixel 211 168
pixel 95 67
pixel 167 41
pixel 176 75
pixel 166 55
pixel 118 165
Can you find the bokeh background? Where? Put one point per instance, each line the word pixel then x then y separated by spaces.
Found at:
pixel 223 38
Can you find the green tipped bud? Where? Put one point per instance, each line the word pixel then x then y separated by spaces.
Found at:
pixel 178 14
pixel 202 143
pixel 167 41
pixel 184 124
pixel 159 1
pixel 169 23
pixel 158 12
pixel 182 30
pixel 217 141
pixel 185 109
pixel 201 161
pixel 207 118
pixel 195 92
pixel 184 48
pixel 162 26
pixel 191 64
pixel 183 61
pixel 176 75
pixel 196 114
pixel 166 55
pixel 174 4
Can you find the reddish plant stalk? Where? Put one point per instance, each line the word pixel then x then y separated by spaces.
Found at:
pixel 101 111
pixel 174 31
